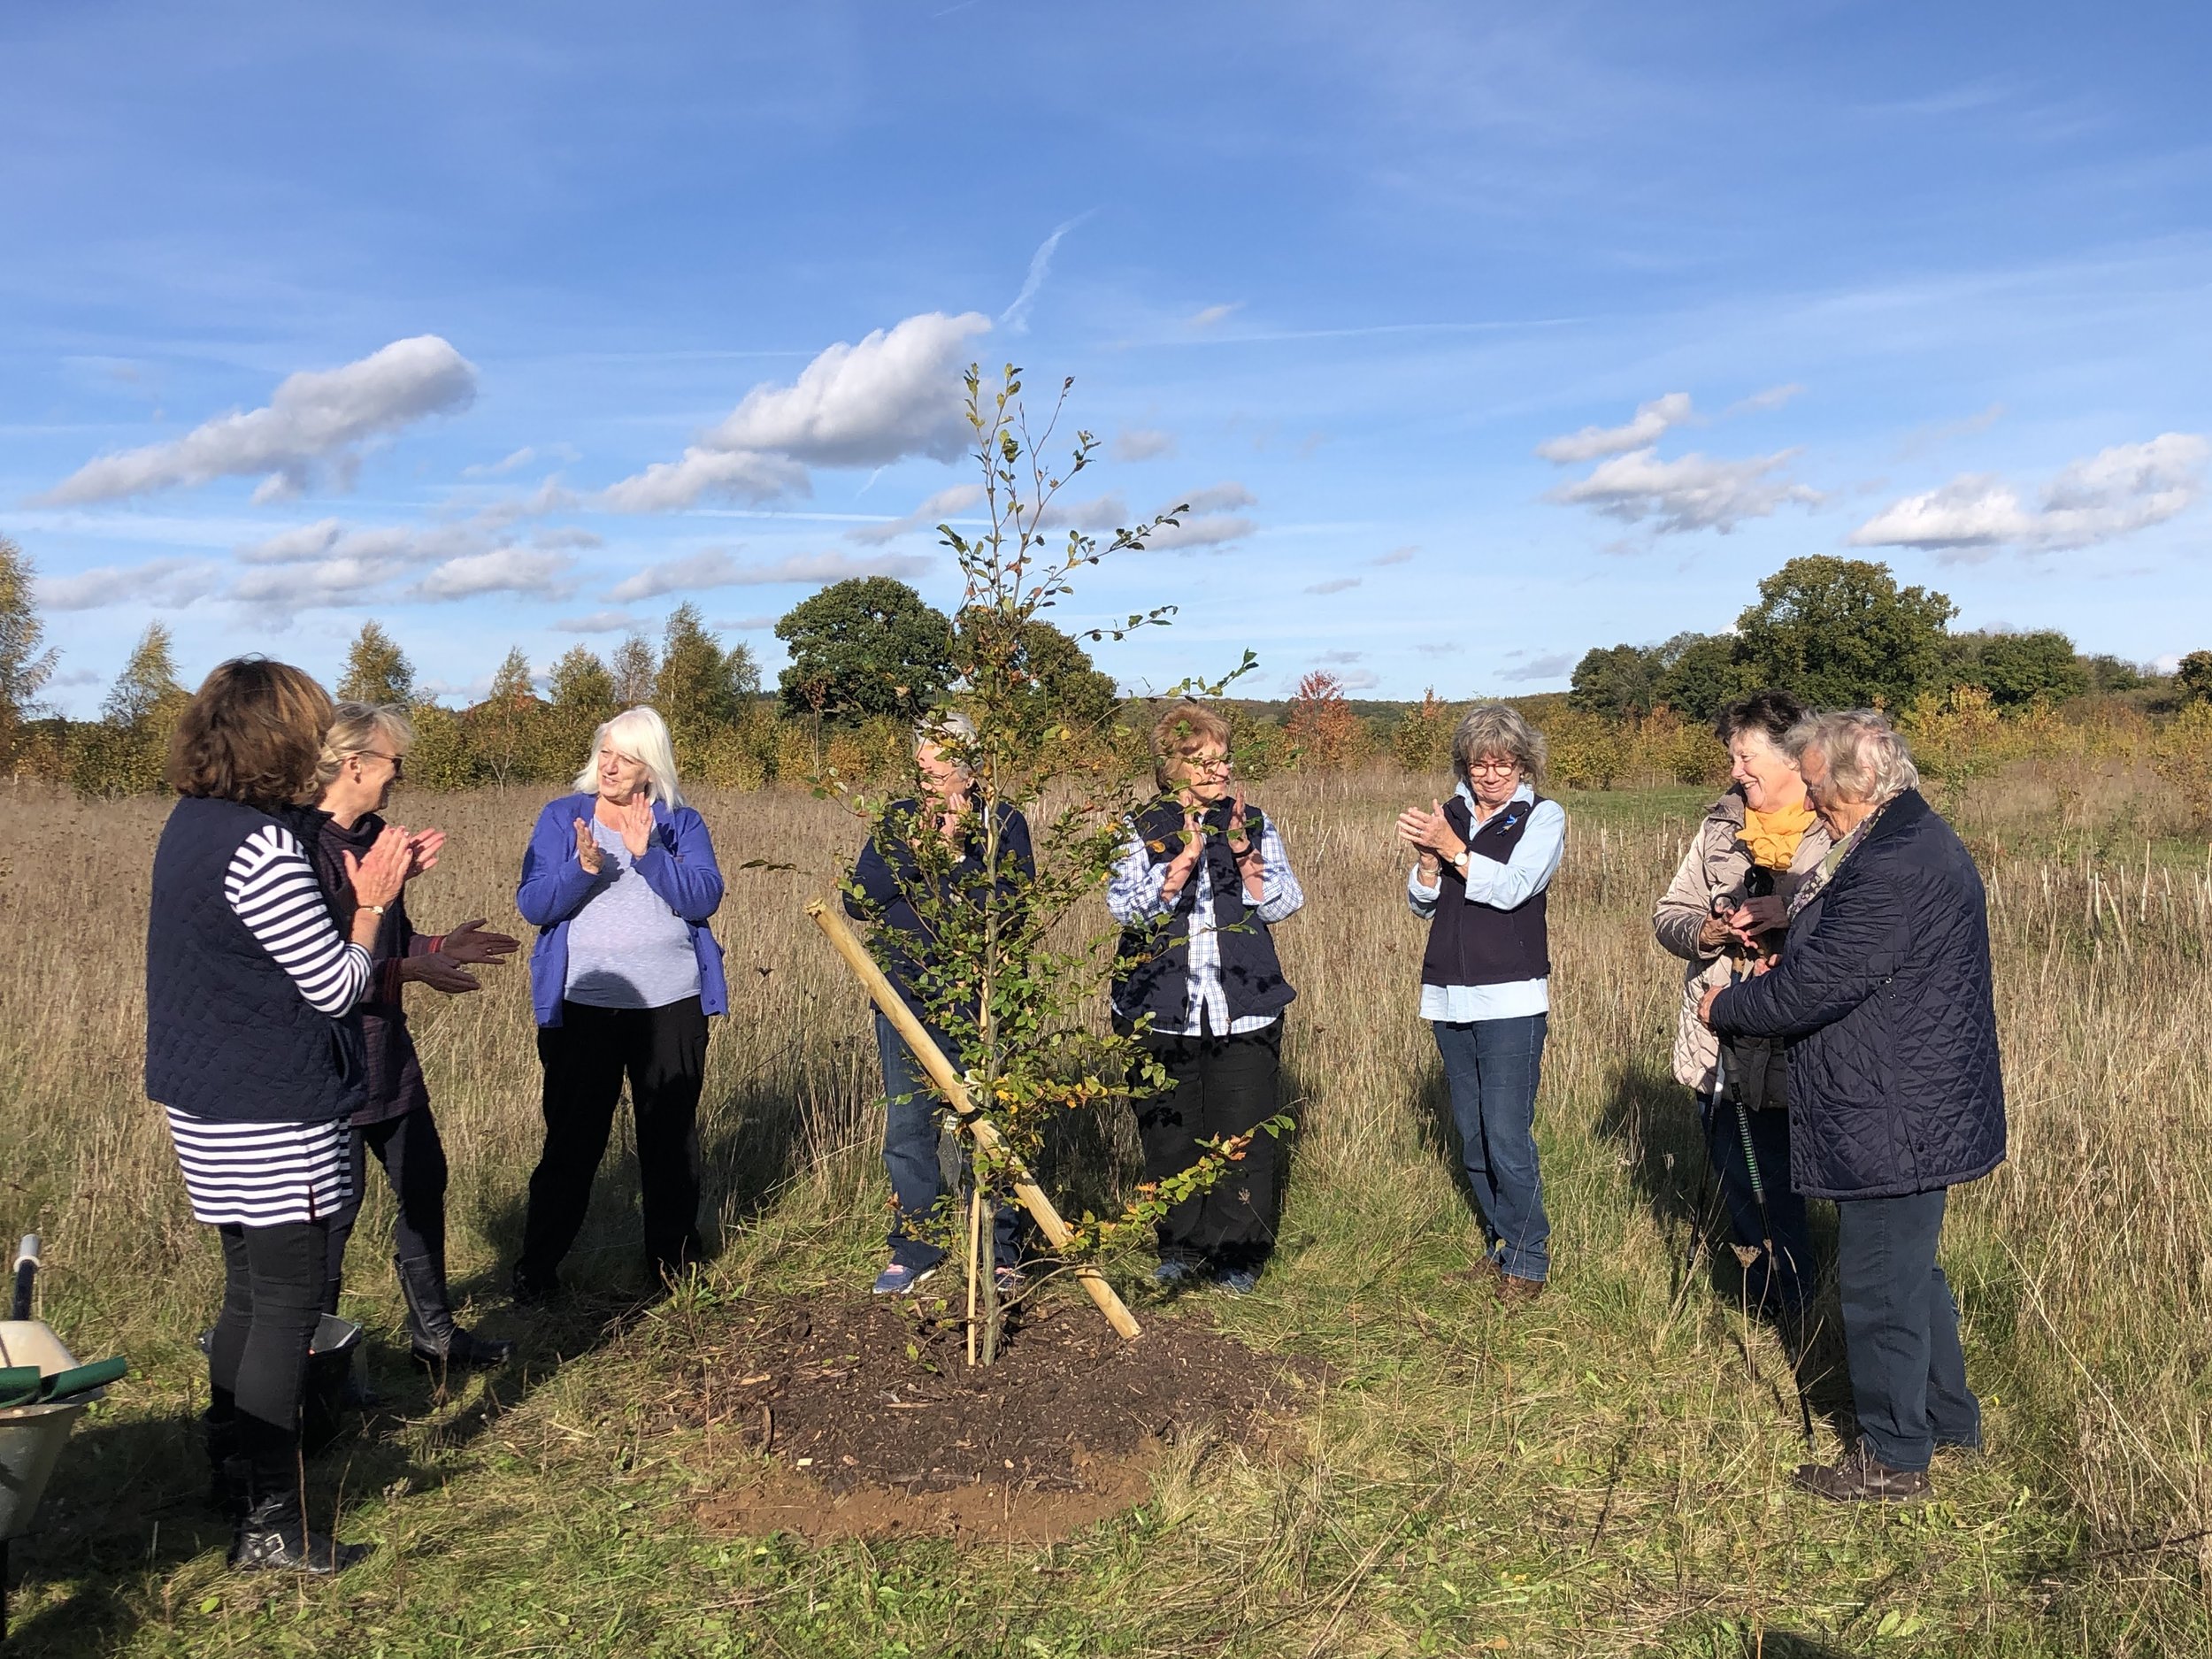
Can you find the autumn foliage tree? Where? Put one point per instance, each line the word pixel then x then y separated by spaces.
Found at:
pixel 1323 727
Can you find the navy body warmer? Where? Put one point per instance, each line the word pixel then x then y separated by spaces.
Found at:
pixel 228 1035
pixel 1480 944
pixel 1152 971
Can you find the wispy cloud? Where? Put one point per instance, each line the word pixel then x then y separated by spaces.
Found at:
pixel 1213 316
pixel 599 622
pixel 944 505
pixel 314 426
pixel 1141 443
pixel 500 570
pixel 1650 423
pixel 1015 317
pixel 1549 667
pixel 1336 585
pixel 168 584
pixel 716 568
pixel 2106 496
pixel 1773 397
pixel 1396 555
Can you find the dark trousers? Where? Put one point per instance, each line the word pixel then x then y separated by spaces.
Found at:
pixel 1218 1086
pixel 913 1126
pixel 1900 1330
pixel 1493 1067
pixel 1782 1285
pixel 273 1299
pixel 413 1159
pixel 663 1051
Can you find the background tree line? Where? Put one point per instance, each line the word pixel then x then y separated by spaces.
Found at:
pixel 867 655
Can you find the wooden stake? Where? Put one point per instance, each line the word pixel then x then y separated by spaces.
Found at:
pixel 847 944
pixel 975 1273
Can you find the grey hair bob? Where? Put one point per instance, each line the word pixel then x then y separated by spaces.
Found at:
pixel 1494 729
pixel 1867 760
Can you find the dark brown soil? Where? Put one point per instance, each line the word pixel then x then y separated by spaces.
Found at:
pixel 875 1424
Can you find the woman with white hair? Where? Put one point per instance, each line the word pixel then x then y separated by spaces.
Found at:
pixel 1883 993
pixel 1483 861
pixel 619 880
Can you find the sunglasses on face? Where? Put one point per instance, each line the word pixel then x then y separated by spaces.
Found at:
pixel 399 762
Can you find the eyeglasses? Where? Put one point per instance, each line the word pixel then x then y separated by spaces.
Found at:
pixel 1208 762
pixel 399 762
pixel 1493 764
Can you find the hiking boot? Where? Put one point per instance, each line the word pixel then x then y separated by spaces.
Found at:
pixel 1234 1281
pixel 274 1537
pixel 436 1342
pixel 1861 1477
pixel 1173 1270
pixel 1516 1292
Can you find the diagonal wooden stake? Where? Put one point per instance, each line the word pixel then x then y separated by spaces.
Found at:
pixel 847 944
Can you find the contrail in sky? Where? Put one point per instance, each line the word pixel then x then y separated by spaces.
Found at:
pixel 1016 317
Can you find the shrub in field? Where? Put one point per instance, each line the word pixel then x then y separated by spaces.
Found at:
pixel 2183 756
pixel 1955 739
pixel 1325 732
pixel 1422 740
pixel 25 667
pixel 126 752
pixel 1010 978
pixel 1587 752
pixel 377 671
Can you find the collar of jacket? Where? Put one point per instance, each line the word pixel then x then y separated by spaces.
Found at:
pixel 1902 812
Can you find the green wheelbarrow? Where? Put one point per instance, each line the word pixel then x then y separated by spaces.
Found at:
pixel 43 1391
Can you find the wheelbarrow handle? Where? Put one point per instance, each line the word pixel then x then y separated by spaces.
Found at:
pixel 26 1269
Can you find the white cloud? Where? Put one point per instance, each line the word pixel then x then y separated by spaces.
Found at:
pixel 1016 317
pixel 295 586
pixel 896 393
pixel 1214 530
pixel 746 625
pixel 944 505
pixel 394 545
pixel 1773 397
pixel 1213 315
pixel 1141 443
pixel 1214 498
pixel 1359 679
pixel 2128 488
pixel 1336 585
pixel 1340 656
pixel 1101 512
pixel 599 622
pixel 500 570
pixel 1396 555
pixel 738 473
pixel 567 537
pixel 521 457
pixel 1694 492
pixel 168 584
pixel 550 497
pixel 1652 421
pixel 313 426
pixel 715 568
pixel 1541 667
pixel 1441 648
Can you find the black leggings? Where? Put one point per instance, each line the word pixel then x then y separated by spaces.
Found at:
pixel 273 1298
pixel 414 1161
pixel 663 1053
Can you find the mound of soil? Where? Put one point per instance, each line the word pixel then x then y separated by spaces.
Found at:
pixel 875 1424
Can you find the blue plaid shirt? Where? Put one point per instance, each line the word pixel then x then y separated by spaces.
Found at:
pixel 1132 894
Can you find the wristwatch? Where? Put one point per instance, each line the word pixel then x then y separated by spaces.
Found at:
pixel 1459 861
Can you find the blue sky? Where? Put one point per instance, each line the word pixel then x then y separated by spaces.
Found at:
pixel 1478 335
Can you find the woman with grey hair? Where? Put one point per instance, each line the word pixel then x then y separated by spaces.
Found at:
pixel 1483 861
pixel 885 884
pixel 365 753
pixel 1883 994
pixel 619 880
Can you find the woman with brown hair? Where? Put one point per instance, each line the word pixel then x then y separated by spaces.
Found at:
pixel 253 1047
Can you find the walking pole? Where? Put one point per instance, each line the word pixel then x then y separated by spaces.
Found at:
pixel 847 944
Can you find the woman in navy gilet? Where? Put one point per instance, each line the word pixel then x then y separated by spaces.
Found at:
pixel 253 1045
pixel 1483 861
pixel 1196 889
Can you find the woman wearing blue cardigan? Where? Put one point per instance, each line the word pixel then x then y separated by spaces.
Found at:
pixel 619 880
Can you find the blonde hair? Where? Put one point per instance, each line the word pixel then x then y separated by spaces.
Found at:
pixel 357 727
pixel 1177 734
pixel 1494 729
pixel 642 736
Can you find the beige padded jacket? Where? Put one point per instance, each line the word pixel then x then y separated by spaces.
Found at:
pixel 1718 864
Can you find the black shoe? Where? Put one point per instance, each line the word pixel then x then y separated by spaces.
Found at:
pixel 229 1473
pixel 527 1289
pixel 272 1537
pixel 1861 1477
pixel 436 1342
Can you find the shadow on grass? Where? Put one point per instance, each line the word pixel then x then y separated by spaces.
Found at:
pixel 1652 1120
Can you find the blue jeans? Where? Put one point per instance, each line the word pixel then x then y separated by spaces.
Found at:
pixel 1900 1330
pixel 910 1130
pixel 1782 1287
pixel 1493 1066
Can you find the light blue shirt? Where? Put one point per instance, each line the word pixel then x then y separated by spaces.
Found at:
pixel 625 947
pixel 1502 886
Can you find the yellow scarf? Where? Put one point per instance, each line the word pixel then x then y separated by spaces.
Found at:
pixel 1771 838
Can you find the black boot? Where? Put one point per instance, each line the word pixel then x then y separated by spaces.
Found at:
pixel 229 1477
pixel 273 1534
pixel 437 1341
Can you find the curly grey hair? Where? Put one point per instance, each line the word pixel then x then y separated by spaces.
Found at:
pixel 1866 759
pixel 1494 729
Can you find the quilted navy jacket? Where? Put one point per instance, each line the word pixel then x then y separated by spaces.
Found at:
pixel 1883 996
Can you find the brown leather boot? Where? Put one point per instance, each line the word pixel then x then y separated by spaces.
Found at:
pixel 1861 1477
pixel 1516 1292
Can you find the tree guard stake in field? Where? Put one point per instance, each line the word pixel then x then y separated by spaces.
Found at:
pixel 1056 1232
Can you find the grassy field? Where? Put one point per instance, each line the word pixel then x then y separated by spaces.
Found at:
pixel 1604 1473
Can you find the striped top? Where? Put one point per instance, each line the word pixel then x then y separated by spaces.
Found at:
pixel 266 1174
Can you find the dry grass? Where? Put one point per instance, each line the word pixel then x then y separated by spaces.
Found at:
pixel 1604 1474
